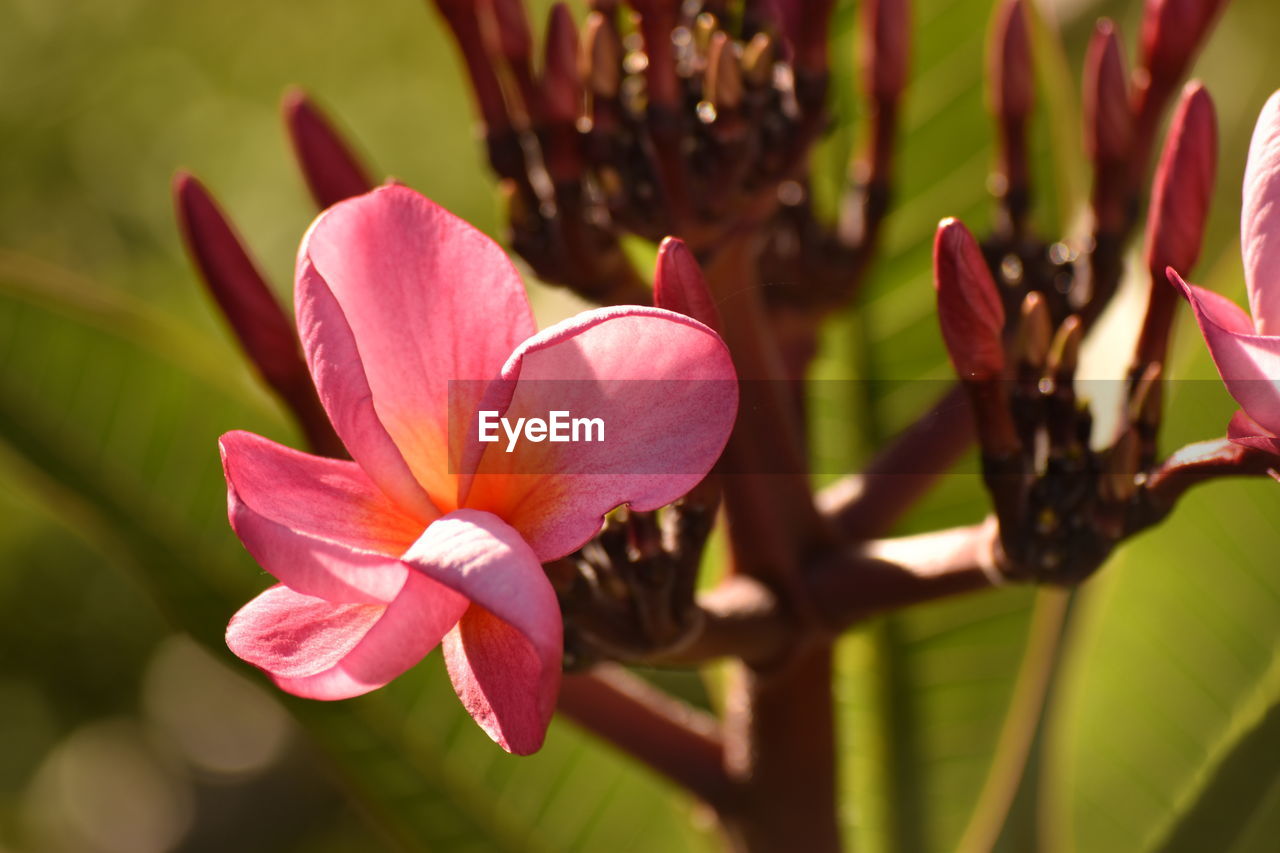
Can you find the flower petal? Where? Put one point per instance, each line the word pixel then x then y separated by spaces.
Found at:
pixel 321 650
pixel 504 655
pixel 319 525
pixel 427 299
pixel 1217 308
pixel 1260 220
pixel 334 361
pixel 663 385
pixel 1247 432
pixel 1248 364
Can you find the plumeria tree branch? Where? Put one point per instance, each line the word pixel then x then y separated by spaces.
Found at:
pixel 678 741
pixel 687 120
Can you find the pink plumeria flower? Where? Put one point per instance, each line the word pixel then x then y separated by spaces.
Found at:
pixel 1246 349
pixel 382 558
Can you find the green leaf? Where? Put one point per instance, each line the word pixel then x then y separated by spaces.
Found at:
pixel 1172 687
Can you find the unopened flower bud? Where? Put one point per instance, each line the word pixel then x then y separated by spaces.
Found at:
pixel 514 38
pixel 1171 32
pixel 1118 482
pixel 521 216
pixel 1183 185
pixel 1064 353
pixel 678 284
pixel 1012 73
pixel 724 74
pixel 561 85
pixel 757 60
pixel 811 26
pixel 705 26
pixel 969 308
pixel 1108 114
pixel 657 19
pixel 331 170
pixel 1035 333
pixel 235 283
pixel 259 323
pixel 887 28
pixel 601 56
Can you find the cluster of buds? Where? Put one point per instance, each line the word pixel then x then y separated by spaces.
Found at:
pixel 1015 337
pixel 629 593
pixel 669 118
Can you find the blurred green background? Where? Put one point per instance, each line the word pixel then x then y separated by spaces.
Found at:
pixel 125 725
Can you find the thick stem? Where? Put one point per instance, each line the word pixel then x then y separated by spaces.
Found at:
pixel 868 505
pixel 772 519
pixel 780 749
pixel 1199 463
pixel 779 727
pixel 674 739
pixel 740 619
pixel 890 574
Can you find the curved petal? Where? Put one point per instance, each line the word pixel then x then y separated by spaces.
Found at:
pixel 665 392
pixel 314 648
pixel 1247 432
pixel 427 300
pixel 1248 364
pixel 1217 308
pixel 1260 220
pixel 334 361
pixel 319 525
pixel 504 655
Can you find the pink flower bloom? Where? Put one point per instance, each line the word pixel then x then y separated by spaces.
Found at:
pixel 1246 349
pixel 381 558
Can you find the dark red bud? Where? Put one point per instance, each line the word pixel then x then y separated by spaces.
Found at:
pixel 259 323
pixel 601 56
pixel 887 29
pixel 1171 32
pixel 757 60
pixel 330 168
pixel 1012 72
pixel 1183 185
pixel 657 20
pixel 969 307
pixel 561 85
pixel 812 21
pixel 678 284
pixel 724 86
pixel 237 286
pixel 461 16
pixel 1108 115
pixel 514 38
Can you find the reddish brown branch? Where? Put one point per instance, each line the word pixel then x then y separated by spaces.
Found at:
pixel 741 619
pixel 868 505
pixel 894 573
pixel 672 738
pixel 780 749
pixel 1199 463
pixel 772 518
